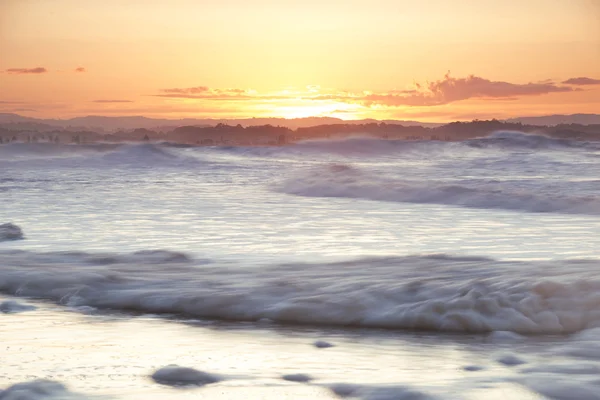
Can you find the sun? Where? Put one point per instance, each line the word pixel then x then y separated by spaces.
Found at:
pixel 302 112
pixel 315 108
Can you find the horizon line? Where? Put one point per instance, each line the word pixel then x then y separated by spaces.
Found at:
pixel 298 118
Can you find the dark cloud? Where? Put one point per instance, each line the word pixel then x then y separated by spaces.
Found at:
pixel 80 69
pixel 112 101
pixel 582 81
pixel 20 71
pixel 11 102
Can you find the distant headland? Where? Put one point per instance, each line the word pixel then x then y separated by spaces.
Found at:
pixel 268 131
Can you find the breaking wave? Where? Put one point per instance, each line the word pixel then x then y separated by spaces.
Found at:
pixel 359 146
pixel 96 154
pixel 140 153
pixel 33 151
pixel 439 293
pixel 512 139
pixel 354 146
pixel 340 180
pixel 364 146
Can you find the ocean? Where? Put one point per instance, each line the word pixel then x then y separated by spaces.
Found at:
pixel 356 268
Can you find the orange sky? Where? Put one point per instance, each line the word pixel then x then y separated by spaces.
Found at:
pixel 293 58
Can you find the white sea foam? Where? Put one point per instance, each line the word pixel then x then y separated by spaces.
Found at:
pixel 564 369
pixel 339 180
pixel 558 388
pixel 12 307
pixel 505 337
pixel 567 370
pixel 584 350
pixel 420 292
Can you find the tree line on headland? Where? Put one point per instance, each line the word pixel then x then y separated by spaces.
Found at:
pixel 238 135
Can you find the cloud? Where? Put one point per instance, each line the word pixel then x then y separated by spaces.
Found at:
pixel 238 91
pixel 11 102
pixel 547 81
pixel 449 90
pixel 206 93
pixel 21 71
pixel 436 93
pixel 206 96
pixel 37 70
pixel 410 91
pixel 112 101
pixel 341 111
pixel 582 81
pixel 191 90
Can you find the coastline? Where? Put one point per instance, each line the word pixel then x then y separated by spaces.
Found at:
pixel 269 135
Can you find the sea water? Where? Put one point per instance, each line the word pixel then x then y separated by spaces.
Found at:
pixel 452 270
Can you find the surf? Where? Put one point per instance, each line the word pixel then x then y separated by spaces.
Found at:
pixel 422 292
pixel 347 181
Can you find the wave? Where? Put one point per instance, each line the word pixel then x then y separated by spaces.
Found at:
pixel 372 146
pixel 97 154
pixel 522 140
pixel 44 151
pixel 140 154
pixel 365 145
pixel 355 146
pixel 340 180
pixel 439 293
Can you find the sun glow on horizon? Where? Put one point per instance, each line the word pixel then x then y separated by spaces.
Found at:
pixel 307 108
pixel 231 59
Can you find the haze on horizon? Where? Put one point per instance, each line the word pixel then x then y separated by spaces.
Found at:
pixel 384 59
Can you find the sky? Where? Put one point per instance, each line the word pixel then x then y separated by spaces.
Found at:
pixel 433 60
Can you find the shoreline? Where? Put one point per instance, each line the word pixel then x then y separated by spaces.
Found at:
pixel 115 356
